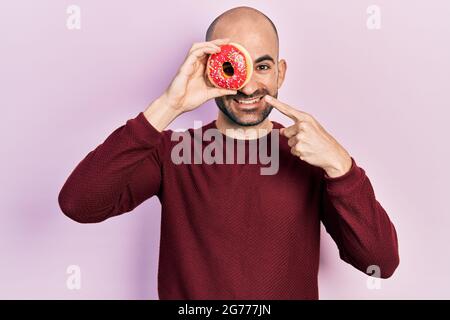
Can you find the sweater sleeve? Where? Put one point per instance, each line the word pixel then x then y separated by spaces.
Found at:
pixel 116 176
pixel 357 222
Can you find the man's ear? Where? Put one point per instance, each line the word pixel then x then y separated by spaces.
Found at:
pixel 282 67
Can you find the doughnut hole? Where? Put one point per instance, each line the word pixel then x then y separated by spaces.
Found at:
pixel 228 69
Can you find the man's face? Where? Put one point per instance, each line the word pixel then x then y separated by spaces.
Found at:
pixel 260 41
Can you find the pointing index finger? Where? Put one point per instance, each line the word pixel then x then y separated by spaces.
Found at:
pixel 286 109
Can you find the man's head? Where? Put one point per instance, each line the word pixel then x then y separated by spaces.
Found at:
pixel 257 33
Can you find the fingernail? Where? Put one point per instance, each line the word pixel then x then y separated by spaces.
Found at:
pixel 267 97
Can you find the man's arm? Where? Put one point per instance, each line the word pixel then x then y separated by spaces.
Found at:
pixel 350 212
pixel 116 176
pixel 358 223
pixel 125 170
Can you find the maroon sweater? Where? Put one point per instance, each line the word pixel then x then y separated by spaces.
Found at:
pixel 229 232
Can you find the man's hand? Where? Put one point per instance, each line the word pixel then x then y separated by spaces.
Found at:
pixel 189 89
pixel 311 143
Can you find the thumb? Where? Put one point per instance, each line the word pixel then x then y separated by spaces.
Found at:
pixel 218 92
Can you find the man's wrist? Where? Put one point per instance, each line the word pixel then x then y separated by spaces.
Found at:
pixel 160 113
pixel 340 167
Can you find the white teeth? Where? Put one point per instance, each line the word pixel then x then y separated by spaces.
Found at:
pixel 249 101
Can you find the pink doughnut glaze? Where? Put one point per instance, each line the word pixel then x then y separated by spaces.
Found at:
pixel 239 59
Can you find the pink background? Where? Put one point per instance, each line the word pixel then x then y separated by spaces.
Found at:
pixel 384 94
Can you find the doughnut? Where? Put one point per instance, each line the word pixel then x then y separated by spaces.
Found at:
pixel 231 68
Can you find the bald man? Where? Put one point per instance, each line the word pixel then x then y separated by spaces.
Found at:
pixel 228 231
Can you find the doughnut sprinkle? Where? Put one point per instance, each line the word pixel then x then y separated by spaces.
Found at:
pixel 231 68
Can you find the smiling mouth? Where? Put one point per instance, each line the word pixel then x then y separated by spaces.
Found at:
pixel 248 103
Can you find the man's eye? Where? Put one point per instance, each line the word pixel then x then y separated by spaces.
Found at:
pixel 263 67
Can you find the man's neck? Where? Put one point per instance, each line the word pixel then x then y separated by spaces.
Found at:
pixel 224 124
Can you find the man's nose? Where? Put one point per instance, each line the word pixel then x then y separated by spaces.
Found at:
pixel 250 87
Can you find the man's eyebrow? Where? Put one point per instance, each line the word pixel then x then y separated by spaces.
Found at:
pixel 263 58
